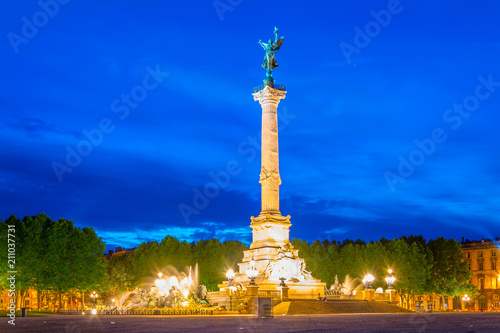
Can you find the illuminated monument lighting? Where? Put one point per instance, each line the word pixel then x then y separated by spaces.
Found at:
pixel 271 254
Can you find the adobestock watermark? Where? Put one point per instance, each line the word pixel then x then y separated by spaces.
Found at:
pixel 454 117
pixel 421 321
pixel 11 275
pixel 121 107
pixel 30 27
pixel 222 6
pixel 372 28
pixel 220 180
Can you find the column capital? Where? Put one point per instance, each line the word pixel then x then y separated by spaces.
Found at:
pixel 269 95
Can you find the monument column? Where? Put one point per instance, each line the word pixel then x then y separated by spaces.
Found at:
pixel 271 257
pixel 270 180
pixel 270 230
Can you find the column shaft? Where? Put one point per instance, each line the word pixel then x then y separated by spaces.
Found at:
pixel 270 180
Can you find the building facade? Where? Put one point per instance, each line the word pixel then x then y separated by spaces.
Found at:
pixel 482 257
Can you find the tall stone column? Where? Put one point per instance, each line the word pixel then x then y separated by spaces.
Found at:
pixel 270 228
pixel 271 256
pixel 270 180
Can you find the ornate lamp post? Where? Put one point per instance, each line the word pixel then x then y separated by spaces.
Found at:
pixel 94 298
pixel 368 293
pixel 466 299
pixel 252 288
pixel 367 281
pixel 390 279
pixel 230 276
pixel 283 287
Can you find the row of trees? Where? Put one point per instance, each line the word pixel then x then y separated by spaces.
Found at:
pixel 436 267
pixel 56 257
pixel 212 257
pixel 52 257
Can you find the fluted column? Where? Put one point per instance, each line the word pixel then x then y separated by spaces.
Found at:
pixel 270 180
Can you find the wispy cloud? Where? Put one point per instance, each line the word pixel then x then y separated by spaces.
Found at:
pixel 134 238
pixel 337 231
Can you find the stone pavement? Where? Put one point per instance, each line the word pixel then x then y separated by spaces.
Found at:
pixel 415 322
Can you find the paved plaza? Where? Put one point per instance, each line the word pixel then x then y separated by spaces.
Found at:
pixel 415 322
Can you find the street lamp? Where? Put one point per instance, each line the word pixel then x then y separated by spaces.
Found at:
pixel 230 276
pixel 94 297
pixel 466 299
pixel 367 281
pixel 252 272
pixel 390 279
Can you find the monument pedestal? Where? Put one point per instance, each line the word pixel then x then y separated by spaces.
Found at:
pixel 392 295
pixel 369 294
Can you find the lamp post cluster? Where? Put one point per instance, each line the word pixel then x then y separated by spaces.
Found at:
pixel 369 292
pixel 369 278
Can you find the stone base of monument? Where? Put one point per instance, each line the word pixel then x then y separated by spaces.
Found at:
pixel 276 262
pixel 267 288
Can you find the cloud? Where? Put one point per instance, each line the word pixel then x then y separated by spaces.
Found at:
pixel 131 239
pixel 36 127
pixel 337 231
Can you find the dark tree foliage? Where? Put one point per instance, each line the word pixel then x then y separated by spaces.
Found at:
pixel 450 274
pixel 420 267
pixel 212 257
pixel 54 255
pixel 119 276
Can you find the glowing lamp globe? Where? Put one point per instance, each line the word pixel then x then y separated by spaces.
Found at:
pixel 230 274
pixel 367 280
pixel 251 273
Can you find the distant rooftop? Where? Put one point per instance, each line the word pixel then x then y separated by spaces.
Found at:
pixel 119 251
pixel 479 243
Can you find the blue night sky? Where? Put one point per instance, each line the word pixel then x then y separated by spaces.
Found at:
pixel 114 114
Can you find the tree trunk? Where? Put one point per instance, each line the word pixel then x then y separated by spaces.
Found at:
pixel 38 299
pixel 18 301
